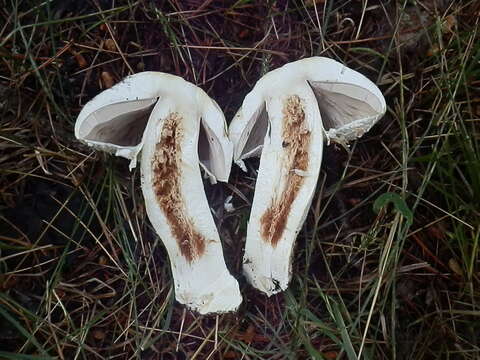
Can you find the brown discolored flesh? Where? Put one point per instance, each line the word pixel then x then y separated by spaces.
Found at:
pixel 295 142
pixel 166 184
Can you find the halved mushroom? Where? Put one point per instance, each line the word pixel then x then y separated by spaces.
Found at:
pixel 285 119
pixel 176 126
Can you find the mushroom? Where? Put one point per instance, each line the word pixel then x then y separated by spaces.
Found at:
pixel 284 120
pixel 177 127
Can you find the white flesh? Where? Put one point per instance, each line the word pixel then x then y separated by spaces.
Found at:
pixel 268 266
pixel 340 105
pixel 202 283
pixel 201 278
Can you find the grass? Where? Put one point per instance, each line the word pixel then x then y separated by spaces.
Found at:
pixel 82 274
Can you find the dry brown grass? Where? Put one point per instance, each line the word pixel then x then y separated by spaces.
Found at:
pixel 82 274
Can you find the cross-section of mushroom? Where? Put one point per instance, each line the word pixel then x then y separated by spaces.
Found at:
pixel 285 119
pixel 176 127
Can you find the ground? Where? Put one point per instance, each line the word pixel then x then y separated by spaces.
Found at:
pixel 387 264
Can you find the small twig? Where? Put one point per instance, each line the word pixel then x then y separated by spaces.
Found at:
pixel 181 329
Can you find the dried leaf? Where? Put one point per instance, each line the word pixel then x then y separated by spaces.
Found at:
pixel 107 79
pixel 110 45
pixel 330 355
pixel 232 355
pixel 98 334
pixel 449 24
pixel 455 267
pixel 80 59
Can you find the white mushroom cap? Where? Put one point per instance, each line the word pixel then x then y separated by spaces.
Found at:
pixel 349 103
pixel 114 120
pixel 285 119
pixel 176 126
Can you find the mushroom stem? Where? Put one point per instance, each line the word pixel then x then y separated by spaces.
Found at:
pixel 284 120
pixel 287 176
pixel 180 213
pixel 163 117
